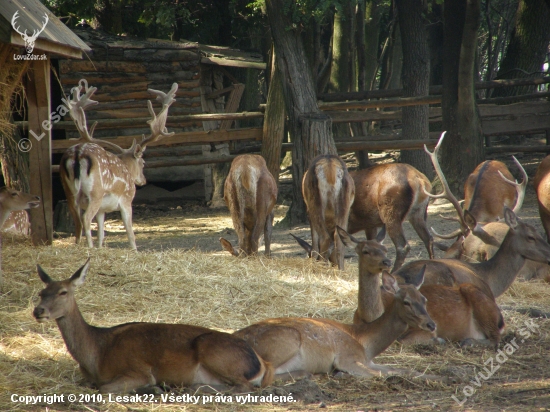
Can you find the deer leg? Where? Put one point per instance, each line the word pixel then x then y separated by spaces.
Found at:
pixel 89 214
pixel 545 219
pixel 126 215
pixel 74 210
pixel 395 231
pixel 419 224
pixel 267 233
pixel 100 218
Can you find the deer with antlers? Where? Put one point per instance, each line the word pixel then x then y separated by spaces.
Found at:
pixel 98 181
pixel 29 40
pixel 495 275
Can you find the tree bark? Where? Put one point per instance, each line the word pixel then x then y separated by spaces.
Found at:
pixel 416 79
pixel 527 48
pixel 301 103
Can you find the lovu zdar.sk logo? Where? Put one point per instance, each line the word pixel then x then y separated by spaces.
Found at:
pixel 29 40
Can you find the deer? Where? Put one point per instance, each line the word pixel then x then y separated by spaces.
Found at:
pixel 250 193
pixel 13 204
pixel 493 276
pixel 461 313
pixel 138 356
pixel 297 346
pixel 98 181
pixel 542 187
pixel 328 192
pixel 29 40
pixel 386 195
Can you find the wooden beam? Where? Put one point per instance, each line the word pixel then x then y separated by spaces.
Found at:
pixel 38 98
pixel 218 93
pixel 517 148
pixel 398 102
pixel 218 61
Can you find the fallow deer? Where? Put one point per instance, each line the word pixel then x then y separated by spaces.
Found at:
pixel 542 187
pixel 460 313
pixel 386 195
pixel 98 181
pixel 328 192
pixel 308 345
pixel 140 355
pixel 12 202
pixel 494 276
pixel 250 193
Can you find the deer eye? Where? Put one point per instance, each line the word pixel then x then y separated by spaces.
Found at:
pixel 14 194
pixel 405 302
pixel 63 293
pixel 531 238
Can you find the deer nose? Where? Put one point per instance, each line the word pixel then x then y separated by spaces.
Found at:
pixel 37 197
pixel 38 312
pixel 387 263
pixel 431 326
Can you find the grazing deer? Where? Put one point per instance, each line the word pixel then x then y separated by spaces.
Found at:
pixel 13 204
pixel 308 345
pixel 494 276
pixel 542 187
pixel 98 181
pixel 386 195
pixel 126 357
pixel 460 313
pixel 328 192
pixel 250 193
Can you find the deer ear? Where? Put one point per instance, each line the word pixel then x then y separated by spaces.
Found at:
pixel 306 246
pixel 381 235
pixel 80 275
pixel 389 283
pixel 44 277
pixel 420 277
pixel 510 217
pixel 226 244
pixel 138 150
pixel 470 220
pixel 346 238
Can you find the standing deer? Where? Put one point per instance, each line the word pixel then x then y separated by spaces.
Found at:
pixel 328 192
pixel 542 187
pixel 494 276
pixel 250 193
pixel 315 345
pixel 127 357
pixel 98 181
pixel 386 195
pixel 460 313
pixel 12 203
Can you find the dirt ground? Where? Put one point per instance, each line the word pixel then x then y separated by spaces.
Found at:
pixel 522 382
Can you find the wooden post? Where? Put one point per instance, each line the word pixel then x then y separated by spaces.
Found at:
pixel 38 98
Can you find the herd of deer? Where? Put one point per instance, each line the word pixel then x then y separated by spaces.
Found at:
pixel 421 301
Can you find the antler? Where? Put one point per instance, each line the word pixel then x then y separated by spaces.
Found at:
pixel 77 106
pixel 520 187
pixel 158 123
pixel 446 194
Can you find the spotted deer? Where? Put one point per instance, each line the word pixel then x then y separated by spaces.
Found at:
pixel 97 181
pixel 140 355
pixel 328 192
pixel 13 206
pixel 250 193
pixel 494 276
pixel 387 195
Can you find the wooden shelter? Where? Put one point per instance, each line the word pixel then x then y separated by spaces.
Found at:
pixel 54 41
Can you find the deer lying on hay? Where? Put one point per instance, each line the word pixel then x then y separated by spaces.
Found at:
pixel 139 355
pixel 250 193
pixel 13 206
pixel 98 181
pixel 495 275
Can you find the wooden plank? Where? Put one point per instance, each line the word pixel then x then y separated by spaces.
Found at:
pixel 138 95
pixel 70 66
pixel 233 63
pixel 199 137
pixel 386 145
pixel 398 102
pixel 38 97
pixel 161 55
pixel 232 104
pixel 517 148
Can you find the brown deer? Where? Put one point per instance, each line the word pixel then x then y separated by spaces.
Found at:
pixel 98 181
pixel 13 204
pixel 460 313
pixel 308 345
pixel 250 193
pixel 386 195
pixel 328 192
pixel 495 275
pixel 140 355
pixel 542 187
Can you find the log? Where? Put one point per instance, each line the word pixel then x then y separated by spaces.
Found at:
pixel 398 102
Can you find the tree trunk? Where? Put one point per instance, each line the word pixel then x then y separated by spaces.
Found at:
pixel 416 79
pixel 436 34
pixel 527 48
pixel 460 118
pixel 274 123
pixel 311 138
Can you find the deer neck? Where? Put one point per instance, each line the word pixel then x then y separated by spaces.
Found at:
pixel 81 339
pixel 369 302
pixel 500 271
pixel 378 335
pixel 4 214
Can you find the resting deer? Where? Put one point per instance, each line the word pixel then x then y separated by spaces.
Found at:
pixel 98 181
pixel 386 195
pixel 460 313
pixel 134 356
pixel 13 204
pixel 308 345
pixel 542 187
pixel 495 275
pixel 250 193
